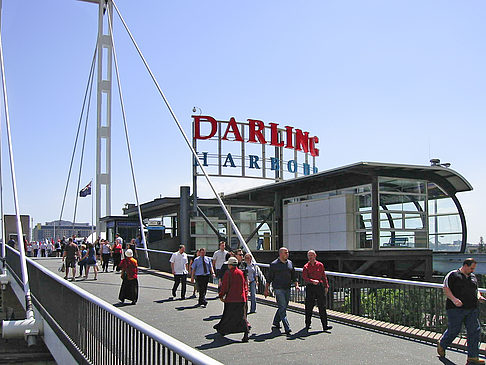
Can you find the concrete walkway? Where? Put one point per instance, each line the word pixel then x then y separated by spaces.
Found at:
pixel 193 325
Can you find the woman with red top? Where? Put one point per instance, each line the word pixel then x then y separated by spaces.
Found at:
pixel 233 292
pixel 316 288
pixel 129 271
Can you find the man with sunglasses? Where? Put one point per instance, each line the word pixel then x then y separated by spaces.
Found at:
pixel 461 290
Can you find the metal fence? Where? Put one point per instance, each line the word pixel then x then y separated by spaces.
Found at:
pixel 404 302
pixel 408 303
pixel 98 332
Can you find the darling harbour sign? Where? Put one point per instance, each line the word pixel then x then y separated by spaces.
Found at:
pixel 253 149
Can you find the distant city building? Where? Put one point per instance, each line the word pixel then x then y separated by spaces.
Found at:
pixel 62 228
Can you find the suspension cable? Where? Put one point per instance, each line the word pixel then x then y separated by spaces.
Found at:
pixel 82 150
pixel 115 58
pixel 194 153
pixel 1 191
pixel 90 77
pixel 20 236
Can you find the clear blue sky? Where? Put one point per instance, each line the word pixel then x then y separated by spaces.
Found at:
pixel 387 81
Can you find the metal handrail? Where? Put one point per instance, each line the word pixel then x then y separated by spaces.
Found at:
pixel 355 276
pixel 171 343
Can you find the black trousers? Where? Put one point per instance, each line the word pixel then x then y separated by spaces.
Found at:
pixel 106 260
pixel 315 293
pixel 202 283
pixel 179 278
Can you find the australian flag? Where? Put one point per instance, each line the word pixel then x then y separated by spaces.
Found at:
pixel 85 191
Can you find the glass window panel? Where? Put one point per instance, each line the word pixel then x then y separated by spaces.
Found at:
pixel 213 212
pixel 402 186
pixel 445 242
pixel 442 206
pixel 414 221
pixel 449 224
pixel 363 202
pixel 397 240
pixel 364 239
pixel 363 221
pixel 410 203
pixel 395 218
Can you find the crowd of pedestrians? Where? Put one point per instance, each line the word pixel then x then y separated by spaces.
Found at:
pixel 239 278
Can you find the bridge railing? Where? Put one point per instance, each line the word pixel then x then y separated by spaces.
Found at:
pixel 94 331
pixel 404 302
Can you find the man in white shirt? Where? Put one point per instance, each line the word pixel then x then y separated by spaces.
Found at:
pixel 219 258
pixel 178 263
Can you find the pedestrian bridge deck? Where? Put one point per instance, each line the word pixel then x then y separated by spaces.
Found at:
pixel 183 320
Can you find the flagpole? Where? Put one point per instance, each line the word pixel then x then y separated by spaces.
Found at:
pixel 92 231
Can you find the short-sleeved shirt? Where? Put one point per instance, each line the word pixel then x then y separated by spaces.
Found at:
pixel 198 265
pixel 180 261
pixel 130 266
pixel 462 287
pixel 71 251
pixel 219 257
pixel 281 274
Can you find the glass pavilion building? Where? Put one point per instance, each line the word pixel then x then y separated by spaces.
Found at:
pixel 358 216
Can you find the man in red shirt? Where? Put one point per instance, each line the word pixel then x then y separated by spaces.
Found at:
pixel 316 288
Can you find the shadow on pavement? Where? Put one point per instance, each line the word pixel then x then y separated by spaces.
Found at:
pixel 188 307
pixel 446 361
pixel 303 333
pixel 218 341
pixel 120 304
pixel 266 336
pixel 161 301
pixel 212 318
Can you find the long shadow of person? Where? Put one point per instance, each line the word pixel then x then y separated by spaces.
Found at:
pixel 212 318
pixel 218 341
pixel 266 336
pixel 188 307
pixel 302 334
pixel 446 361
pixel 120 304
pixel 163 301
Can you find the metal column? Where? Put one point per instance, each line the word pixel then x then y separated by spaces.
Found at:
pixel 103 131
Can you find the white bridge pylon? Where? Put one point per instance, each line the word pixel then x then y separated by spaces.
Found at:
pixel 103 178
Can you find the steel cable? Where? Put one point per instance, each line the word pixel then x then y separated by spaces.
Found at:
pixel 124 117
pixel 90 81
pixel 186 138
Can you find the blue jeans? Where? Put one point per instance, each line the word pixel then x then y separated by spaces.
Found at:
pixel 253 296
pixel 455 318
pixel 282 296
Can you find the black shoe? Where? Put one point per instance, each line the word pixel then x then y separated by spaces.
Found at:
pixel 308 327
pixel 182 298
pixel 288 332
pixel 134 302
pixel 245 337
pixel 276 327
pixel 327 328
